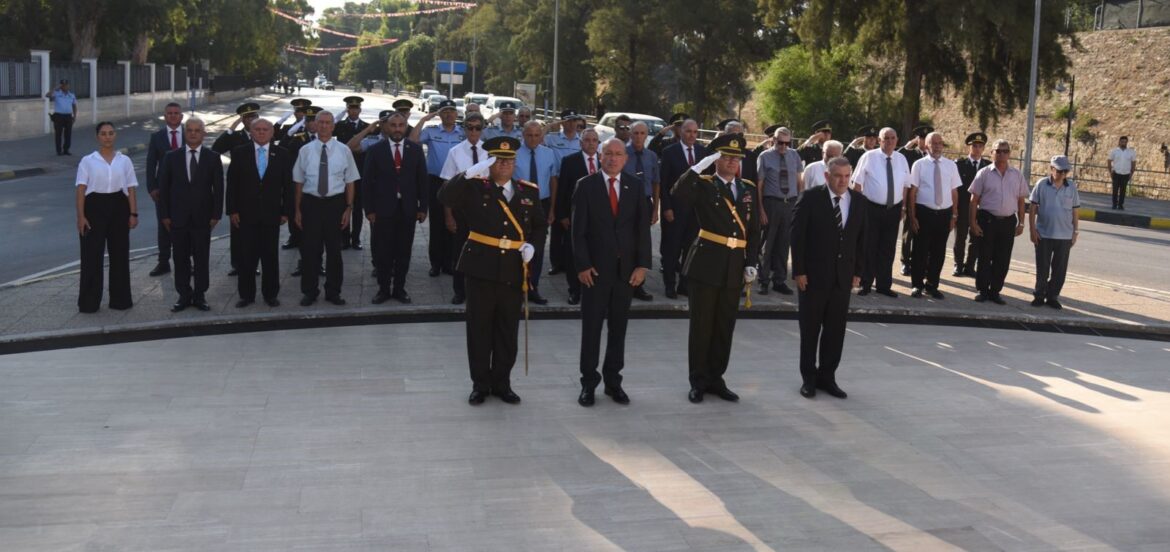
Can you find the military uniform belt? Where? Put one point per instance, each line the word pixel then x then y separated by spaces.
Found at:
pixel 502 243
pixel 733 243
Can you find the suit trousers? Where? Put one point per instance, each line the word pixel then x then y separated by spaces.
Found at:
pixel 109 221
pixel 439 246
pixel 458 240
pixel 676 238
pixel 713 311
pixel 606 303
pixel 822 333
pixel 164 237
pixel 907 242
pixel 322 231
pixel 560 247
pixel 1051 259
pixel 966 248
pixel 1120 181
pixel 995 251
pixel 259 245
pixel 391 237
pixel 62 131
pixel 776 240
pixel 881 238
pixel 930 247
pixel 569 266
pixel 192 244
pixel 493 318
pixel 353 234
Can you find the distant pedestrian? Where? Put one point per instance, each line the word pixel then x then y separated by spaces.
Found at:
pixel 63 116
pixel 106 212
pixel 1052 218
pixel 1122 161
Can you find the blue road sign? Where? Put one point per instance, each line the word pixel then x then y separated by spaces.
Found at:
pixel 444 66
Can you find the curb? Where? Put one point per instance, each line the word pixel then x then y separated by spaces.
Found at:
pixel 1124 219
pixel 21 173
pixel 365 316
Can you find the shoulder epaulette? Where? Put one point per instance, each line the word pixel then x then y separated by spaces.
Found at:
pixel 707 177
pixel 748 182
pixel 527 183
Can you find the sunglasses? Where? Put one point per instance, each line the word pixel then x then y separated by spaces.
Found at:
pixel 1004 151
pixel 784 143
pixel 624 127
pixel 474 128
pixel 1062 171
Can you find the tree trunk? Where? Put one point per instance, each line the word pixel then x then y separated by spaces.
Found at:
pixel 911 96
pixel 631 73
pixel 141 49
pixel 84 18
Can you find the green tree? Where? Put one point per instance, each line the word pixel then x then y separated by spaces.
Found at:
pixel 627 41
pixel 413 61
pixel 359 66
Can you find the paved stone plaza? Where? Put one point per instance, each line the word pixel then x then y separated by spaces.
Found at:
pixel 360 439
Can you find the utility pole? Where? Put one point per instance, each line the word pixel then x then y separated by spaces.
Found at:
pixel 556 49
pixel 1027 168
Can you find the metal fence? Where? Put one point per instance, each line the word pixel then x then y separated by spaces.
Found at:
pixel 110 80
pixel 162 77
pixel 140 79
pixel 76 73
pixel 19 79
pixel 181 78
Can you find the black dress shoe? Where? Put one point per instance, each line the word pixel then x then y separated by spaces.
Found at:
pixel 905 269
pixel 586 398
pixel 670 294
pixel 917 293
pixel 161 268
pixel 180 305
pixel 508 396
pixel 998 299
pixel 695 396
pixel 289 245
pixel 863 292
pixel 535 297
pixel 980 297
pixel 888 293
pixel 244 302
pixel 682 290
pixel 1038 302
pixel 336 300
pixel 308 300
pixel 345 245
pixel 476 397
pixel 618 395
pixel 554 271
pixel 458 300
pixel 297 271
pixel 808 391
pixel 273 302
pixel 1055 304
pixel 402 296
pixel 764 289
pixel 642 295
pixel 958 271
pixel 782 289
pixel 726 394
pixel 969 271
pixel 380 297
pixel 833 390
pixel 357 246
pixel 935 293
pixel 321 270
pixel 233 272
pixel 574 298
pixel 201 304
pixel 433 272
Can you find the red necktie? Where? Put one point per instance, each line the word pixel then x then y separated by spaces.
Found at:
pixel 690 157
pixel 397 158
pixel 613 198
pixel 174 139
pixel 592 168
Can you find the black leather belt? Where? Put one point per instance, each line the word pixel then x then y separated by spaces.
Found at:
pixel 780 199
pixel 897 205
pixel 995 217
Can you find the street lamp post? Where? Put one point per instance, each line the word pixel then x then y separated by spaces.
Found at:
pixel 556 49
pixel 1027 168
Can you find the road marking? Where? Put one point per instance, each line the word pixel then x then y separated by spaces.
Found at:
pixel 51 273
pixel 1090 343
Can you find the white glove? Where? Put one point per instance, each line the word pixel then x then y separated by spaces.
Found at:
pixel 527 252
pixel 749 274
pixel 705 162
pixel 480 170
pixel 285 118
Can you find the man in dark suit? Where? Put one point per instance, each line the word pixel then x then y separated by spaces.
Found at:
pixel 259 201
pixel 574 167
pixel 827 238
pixel 166 139
pixel 191 197
pixel 231 139
pixel 966 248
pixel 394 185
pixel 501 213
pixel 721 262
pixel 679 227
pixel 611 254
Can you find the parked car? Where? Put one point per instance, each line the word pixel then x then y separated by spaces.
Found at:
pixel 423 96
pixel 327 85
pixel 476 97
pixel 460 107
pixel 433 102
pixel 605 124
pixel 493 103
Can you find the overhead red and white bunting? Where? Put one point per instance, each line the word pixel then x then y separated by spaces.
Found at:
pixel 304 52
pixel 400 14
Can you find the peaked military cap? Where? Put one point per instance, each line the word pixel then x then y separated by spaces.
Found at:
pixel 771 131
pixel 868 131
pixel 822 126
pixel 976 138
pixel 729 144
pixel 385 114
pixel 502 147
pixel 723 124
pixel 922 130
pixel 507 106
pixel 446 104
pixel 353 101
pixel 678 118
pixel 300 104
pixel 312 111
pixel 250 108
pixel 570 114
pixel 402 104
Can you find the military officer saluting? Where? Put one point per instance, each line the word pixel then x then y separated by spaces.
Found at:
pixel 299 108
pixel 966 247
pixel 668 134
pixel 867 139
pixel 501 214
pixel 229 140
pixel 344 130
pixel 405 107
pixel 811 150
pixel 568 140
pixel 306 133
pixel 508 127
pixel 721 262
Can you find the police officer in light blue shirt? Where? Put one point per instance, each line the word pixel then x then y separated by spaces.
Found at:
pixel 538 164
pixel 567 141
pixel 64 113
pixel 438 141
pixel 508 127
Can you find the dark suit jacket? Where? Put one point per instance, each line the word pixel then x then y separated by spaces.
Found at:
pixel 198 201
pixel 256 200
pixel 573 168
pixel 674 165
pixel 709 262
pixel 230 141
pixel 478 200
pixel 160 144
pixel 603 241
pixel 381 183
pixel 819 250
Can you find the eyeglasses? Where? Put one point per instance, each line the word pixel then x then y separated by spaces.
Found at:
pixel 624 127
pixel 784 143
pixel 1062 171
pixel 475 128
pixel 1003 151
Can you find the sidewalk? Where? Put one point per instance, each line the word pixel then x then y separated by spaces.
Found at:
pixel 43 313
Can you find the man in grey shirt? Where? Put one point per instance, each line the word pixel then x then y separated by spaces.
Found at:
pixel 1053 221
pixel 778 169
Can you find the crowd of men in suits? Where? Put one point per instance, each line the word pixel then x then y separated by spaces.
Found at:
pixel 493 192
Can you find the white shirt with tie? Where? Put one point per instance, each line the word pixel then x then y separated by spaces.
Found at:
pixel 596 163
pixel 459 159
pixel 922 178
pixel 342 168
pixel 616 184
pixel 175 136
pixel 871 175
pixel 846 200
pixel 187 155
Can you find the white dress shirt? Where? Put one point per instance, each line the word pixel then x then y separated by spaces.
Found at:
pixel 871 175
pixel 922 177
pixel 459 158
pixel 814 174
pixel 342 168
pixel 100 177
pixel 596 162
pixel 617 181
pixel 846 200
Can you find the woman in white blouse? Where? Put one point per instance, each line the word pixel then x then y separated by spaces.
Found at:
pixel 106 211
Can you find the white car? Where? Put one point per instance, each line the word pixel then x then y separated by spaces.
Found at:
pixel 605 124
pixel 475 97
pixel 493 103
pixel 423 96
